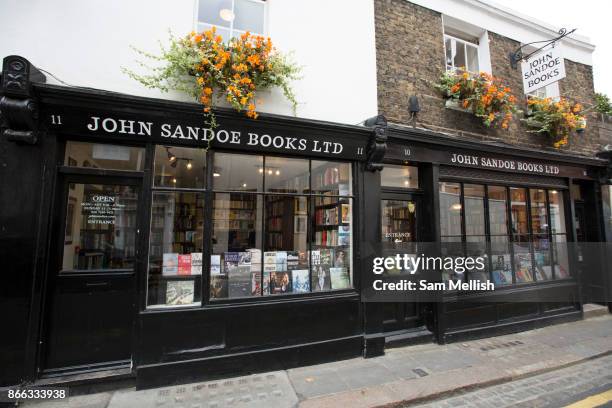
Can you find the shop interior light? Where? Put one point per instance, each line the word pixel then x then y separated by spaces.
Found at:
pixel 455 207
pixel 277 172
pixel 227 15
pixel 261 170
pixel 244 185
pixel 270 171
pixel 215 174
pixel 553 191
pixel 174 180
pixel 406 182
pixel 189 165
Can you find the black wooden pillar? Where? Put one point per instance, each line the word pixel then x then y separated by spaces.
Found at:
pixel 26 179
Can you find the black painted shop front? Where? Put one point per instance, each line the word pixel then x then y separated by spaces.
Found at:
pixel 123 218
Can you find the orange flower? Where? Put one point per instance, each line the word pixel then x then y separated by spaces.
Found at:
pixel 244 100
pixel 465 103
pixel 208 91
pixel 577 108
pixel 197 38
pixel 455 88
pixel 200 80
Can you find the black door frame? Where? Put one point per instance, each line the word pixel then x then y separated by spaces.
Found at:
pixel 65 176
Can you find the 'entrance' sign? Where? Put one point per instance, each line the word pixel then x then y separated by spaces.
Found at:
pixel 543 68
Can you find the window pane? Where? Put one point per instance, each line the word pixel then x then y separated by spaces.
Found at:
pixel 175 249
pixel 331 257
pixel 539 220
pixel 450 208
pixel 557 211
pixel 500 259
pixel 100 228
pixel 541 257
pixel 286 175
pixel 104 156
pixel 238 172
pixel 518 208
pixel 523 268
pixel 459 55
pixel 560 256
pixel 399 176
pixel 236 246
pixel 473 198
pixel 331 178
pixel 249 16
pixel 215 12
pixel 286 265
pixel 472 58
pixel 223 32
pixel 179 167
pixel 398 221
pixel 453 247
pixel 449 53
pixel 476 247
pixel 498 220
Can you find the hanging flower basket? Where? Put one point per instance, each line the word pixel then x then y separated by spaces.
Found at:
pixel 207 68
pixel 556 119
pixel 485 96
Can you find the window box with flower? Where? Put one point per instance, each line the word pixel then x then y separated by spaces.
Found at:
pixel 557 119
pixel 484 95
pixel 207 68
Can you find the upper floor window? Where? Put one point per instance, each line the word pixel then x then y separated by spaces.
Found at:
pixel 548 91
pixel 231 17
pixel 460 54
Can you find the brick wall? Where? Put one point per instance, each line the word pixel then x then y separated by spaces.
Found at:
pixel 410 59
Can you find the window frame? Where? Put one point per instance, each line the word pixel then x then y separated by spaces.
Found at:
pixel 465 43
pixel 197 22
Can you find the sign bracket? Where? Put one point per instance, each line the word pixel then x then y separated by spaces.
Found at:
pixel 517 56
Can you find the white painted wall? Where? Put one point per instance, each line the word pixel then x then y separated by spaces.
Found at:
pixel 85 43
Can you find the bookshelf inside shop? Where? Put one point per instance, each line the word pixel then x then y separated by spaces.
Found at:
pixel 236 217
pixel 397 218
pixel 280 212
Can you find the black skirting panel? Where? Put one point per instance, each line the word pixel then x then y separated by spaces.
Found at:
pixel 493 315
pixel 183 346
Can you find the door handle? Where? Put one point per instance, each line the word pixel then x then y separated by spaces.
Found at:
pixel 96 284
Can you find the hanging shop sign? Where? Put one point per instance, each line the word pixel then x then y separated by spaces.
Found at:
pixel 482 161
pixel 190 131
pixel 542 69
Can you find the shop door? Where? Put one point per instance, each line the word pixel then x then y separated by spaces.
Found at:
pixel 400 232
pixel 91 285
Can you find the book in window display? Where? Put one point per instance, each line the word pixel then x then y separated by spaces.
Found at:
pixel 238 270
pixel 280 282
pixel 170 264
pixel 215 264
pixel 344 235
pixel 218 286
pixel 346 213
pixel 502 270
pixel 339 278
pixel 341 258
pixel 523 267
pixel 184 264
pixel 196 263
pixel 320 278
pixel 255 283
pixel 179 292
pixel 300 281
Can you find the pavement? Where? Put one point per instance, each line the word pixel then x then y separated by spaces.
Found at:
pixel 563 361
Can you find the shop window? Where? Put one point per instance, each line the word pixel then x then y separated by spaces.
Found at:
pixel 399 176
pixel 179 167
pixel 231 17
pixel 533 249
pixel 291 233
pixel 104 156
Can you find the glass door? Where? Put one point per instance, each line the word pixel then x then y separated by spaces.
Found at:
pixel 91 287
pixel 399 234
